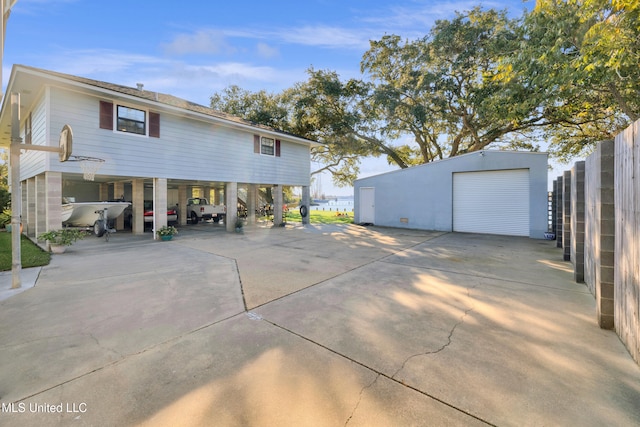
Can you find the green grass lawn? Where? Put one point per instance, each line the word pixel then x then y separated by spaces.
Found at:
pixel 31 254
pixel 321 217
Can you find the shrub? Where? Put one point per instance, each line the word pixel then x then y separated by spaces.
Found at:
pixel 167 230
pixel 64 237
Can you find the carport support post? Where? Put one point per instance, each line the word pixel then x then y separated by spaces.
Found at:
pixel 277 205
pixel 118 192
pixel 52 219
pixel 306 201
pixel 137 206
pixel 216 197
pixel 182 206
pixel 231 201
pixel 251 203
pixel 159 204
pixel 104 192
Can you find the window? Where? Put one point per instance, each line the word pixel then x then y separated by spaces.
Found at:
pixel 267 146
pixel 131 120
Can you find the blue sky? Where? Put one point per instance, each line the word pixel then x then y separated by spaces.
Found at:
pixel 194 48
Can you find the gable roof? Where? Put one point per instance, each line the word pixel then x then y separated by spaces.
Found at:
pixel 28 82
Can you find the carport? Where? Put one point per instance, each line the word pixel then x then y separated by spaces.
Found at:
pixel 165 193
pixel 150 146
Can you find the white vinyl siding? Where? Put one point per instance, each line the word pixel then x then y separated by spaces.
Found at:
pixel 189 148
pixel 34 162
pixel 492 202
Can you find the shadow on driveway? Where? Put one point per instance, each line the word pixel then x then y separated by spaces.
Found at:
pixel 315 325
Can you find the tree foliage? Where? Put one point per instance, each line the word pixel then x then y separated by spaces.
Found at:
pixel 581 56
pixel 323 109
pixel 258 107
pixel 566 73
pixel 337 113
pixel 5 195
pixel 445 90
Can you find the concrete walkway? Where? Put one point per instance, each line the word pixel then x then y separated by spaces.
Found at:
pixel 317 325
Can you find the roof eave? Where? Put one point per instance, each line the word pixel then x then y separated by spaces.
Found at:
pixel 5 113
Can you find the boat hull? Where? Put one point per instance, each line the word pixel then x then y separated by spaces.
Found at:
pixel 67 210
pixel 84 213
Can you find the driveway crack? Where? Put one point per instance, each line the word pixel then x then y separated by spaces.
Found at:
pixel 449 337
pixel 444 346
pixel 93 337
pixel 355 408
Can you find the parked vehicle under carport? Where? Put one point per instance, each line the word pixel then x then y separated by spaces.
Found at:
pixel 172 215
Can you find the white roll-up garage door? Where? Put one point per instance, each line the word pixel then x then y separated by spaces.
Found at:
pixel 492 202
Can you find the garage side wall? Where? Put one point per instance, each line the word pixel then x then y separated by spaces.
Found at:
pixel 421 197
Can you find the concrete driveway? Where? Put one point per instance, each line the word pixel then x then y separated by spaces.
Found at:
pixel 316 325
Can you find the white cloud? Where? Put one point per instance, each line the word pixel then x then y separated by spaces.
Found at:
pixel 309 35
pixel 414 20
pixel 192 81
pixel 237 70
pixel 266 51
pixel 202 42
pixel 326 36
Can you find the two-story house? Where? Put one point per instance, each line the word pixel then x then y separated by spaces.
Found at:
pixel 153 146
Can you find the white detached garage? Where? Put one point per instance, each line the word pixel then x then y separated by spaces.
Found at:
pixel 493 192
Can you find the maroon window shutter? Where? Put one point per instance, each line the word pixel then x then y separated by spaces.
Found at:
pixel 256 143
pixel 106 115
pixel 154 125
pixel 277 148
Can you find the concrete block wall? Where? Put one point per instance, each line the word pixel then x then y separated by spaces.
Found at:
pixel 600 231
pixel 611 218
pixel 566 216
pixel 627 238
pixel 559 207
pixel 554 207
pixel 577 221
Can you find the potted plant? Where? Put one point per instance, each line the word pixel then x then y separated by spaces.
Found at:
pixel 59 239
pixel 166 232
pixel 239 225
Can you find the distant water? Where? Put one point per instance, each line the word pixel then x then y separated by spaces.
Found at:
pixel 334 206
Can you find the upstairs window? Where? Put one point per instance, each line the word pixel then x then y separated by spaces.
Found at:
pixel 132 120
pixel 267 146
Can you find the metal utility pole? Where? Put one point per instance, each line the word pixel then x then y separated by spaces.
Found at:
pixel 14 159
